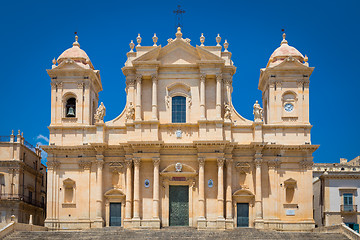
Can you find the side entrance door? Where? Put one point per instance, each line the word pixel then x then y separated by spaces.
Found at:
pixel 115 214
pixel 179 206
pixel 242 214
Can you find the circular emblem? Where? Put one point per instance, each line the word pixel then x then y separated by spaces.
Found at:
pixel 289 107
pixel 147 183
pixel 178 167
pixel 210 183
pixel 178 133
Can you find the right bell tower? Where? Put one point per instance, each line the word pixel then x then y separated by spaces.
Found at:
pixel 285 86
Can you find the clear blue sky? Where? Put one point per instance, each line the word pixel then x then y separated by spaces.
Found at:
pixel 34 32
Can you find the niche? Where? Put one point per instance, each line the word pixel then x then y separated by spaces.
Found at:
pixel 290 186
pixel 69 191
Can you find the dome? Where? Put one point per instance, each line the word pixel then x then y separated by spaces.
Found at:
pixel 75 53
pixel 283 52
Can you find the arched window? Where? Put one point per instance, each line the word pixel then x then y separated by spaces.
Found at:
pixel 178 109
pixel 71 107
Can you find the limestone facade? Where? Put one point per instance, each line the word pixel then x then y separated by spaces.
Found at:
pixel 336 193
pixel 179 153
pixel 22 181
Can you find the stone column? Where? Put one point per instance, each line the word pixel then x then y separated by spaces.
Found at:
pixel 138 98
pixel 154 78
pixel 220 196
pixel 227 83
pixel 156 186
pixel 99 206
pixel 50 189
pixel 201 220
pixel 128 189
pixel 16 181
pixel 130 85
pixel 229 189
pixel 202 95
pixel 136 215
pixel 258 193
pixel 218 95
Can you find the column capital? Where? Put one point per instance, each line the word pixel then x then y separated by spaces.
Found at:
pixel 85 164
pixel 258 162
pixel 229 161
pixel 227 80
pixel 274 164
pixel 201 161
pixel 51 165
pixel 154 77
pixel 128 162
pixel 156 161
pixel 99 163
pixel 202 76
pixel 219 76
pixel 137 161
pixel 220 161
pixel 138 77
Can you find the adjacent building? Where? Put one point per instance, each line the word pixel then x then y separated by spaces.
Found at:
pixel 22 181
pixel 179 154
pixel 336 193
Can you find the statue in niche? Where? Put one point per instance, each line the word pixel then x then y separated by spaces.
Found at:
pixel 258 112
pixel 100 113
pixel 227 114
pixel 130 112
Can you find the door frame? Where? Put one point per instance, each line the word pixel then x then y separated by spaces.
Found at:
pixel 166 198
pixel 188 200
pixel 121 209
pixel 114 196
pixel 244 196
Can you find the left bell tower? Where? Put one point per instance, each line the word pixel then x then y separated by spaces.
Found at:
pixel 75 87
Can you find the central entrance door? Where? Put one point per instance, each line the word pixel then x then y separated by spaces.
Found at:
pixel 179 206
pixel 242 214
pixel 115 214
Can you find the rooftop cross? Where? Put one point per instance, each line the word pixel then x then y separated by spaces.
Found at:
pixel 178 14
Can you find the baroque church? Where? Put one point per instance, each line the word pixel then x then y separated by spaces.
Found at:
pixel 179 154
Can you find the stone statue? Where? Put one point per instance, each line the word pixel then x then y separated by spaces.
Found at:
pixel 100 113
pixel 258 112
pixel 130 112
pixel 227 114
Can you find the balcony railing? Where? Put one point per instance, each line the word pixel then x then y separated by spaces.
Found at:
pixel 348 208
pixel 20 197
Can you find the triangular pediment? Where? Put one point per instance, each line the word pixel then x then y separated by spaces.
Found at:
pixel 206 55
pixel 70 64
pixel 178 52
pixel 291 64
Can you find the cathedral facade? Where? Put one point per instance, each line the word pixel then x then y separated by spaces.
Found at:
pixel 180 154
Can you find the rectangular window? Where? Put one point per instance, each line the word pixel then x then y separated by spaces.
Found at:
pixel 348 202
pixel 30 196
pixel 178 109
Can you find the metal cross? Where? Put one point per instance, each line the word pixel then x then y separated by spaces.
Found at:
pixel 178 14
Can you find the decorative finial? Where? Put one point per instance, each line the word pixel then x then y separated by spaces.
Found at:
pixel 12 132
pixel 54 61
pixel 284 41
pixel 155 38
pixel 132 45
pixel 76 43
pixel 218 40
pixel 178 33
pixel 138 39
pixel 306 58
pixel 226 45
pixel 202 39
pixel 19 132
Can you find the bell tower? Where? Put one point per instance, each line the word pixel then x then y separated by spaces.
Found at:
pixel 75 85
pixel 285 86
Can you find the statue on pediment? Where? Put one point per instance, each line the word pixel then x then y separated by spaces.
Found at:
pixel 227 114
pixel 258 112
pixel 100 113
pixel 130 113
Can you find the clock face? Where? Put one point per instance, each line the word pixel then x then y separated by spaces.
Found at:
pixel 289 107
